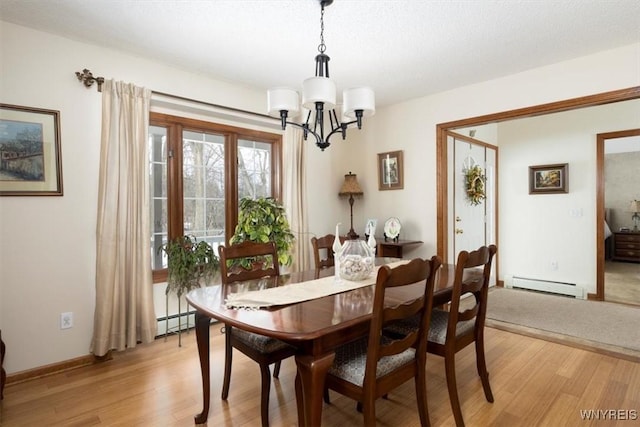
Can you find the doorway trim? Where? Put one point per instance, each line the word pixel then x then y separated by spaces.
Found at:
pixel 538 110
pixel 601 138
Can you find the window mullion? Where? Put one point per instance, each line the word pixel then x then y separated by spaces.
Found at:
pixel 174 182
pixel 231 184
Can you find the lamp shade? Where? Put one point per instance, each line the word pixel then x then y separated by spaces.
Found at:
pixel 634 206
pixel 318 89
pixel 359 98
pixel 282 98
pixel 350 186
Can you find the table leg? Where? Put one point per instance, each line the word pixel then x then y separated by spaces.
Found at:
pixel 203 323
pixel 310 387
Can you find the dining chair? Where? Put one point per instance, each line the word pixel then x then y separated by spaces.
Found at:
pixel 263 350
pixel 370 367
pixel 324 245
pixel 463 323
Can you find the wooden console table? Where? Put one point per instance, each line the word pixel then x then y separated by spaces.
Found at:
pixel 626 246
pixel 393 249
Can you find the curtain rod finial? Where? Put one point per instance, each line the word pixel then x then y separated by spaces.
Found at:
pixel 86 77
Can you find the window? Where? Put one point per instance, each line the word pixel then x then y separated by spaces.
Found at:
pixel 198 172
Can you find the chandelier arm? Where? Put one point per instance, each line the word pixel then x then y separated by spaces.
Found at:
pixel 319 142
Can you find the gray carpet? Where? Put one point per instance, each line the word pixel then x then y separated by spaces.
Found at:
pixel 605 323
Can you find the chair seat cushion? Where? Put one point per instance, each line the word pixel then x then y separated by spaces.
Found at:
pixel 259 342
pixel 403 327
pixel 438 327
pixel 351 361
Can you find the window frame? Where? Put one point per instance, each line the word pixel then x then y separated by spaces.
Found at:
pixel 175 126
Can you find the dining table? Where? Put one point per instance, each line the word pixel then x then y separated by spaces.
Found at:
pixel 315 327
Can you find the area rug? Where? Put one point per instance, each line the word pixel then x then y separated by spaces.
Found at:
pixel 604 326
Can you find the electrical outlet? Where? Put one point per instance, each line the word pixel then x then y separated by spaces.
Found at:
pixel 66 320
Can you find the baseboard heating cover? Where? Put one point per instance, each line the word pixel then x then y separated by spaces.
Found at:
pixel 562 288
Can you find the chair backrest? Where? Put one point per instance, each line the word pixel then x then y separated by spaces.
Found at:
pixel 416 271
pixel 266 252
pixel 324 245
pixel 473 272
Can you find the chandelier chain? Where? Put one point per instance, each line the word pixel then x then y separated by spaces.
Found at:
pixel 322 47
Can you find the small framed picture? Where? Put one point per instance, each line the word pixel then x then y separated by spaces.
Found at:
pixel 549 179
pixel 390 173
pixel 30 159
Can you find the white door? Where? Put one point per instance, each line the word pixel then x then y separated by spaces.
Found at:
pixel 471 222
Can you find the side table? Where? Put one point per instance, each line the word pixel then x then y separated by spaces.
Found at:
pixel 393 249
pixel 626 246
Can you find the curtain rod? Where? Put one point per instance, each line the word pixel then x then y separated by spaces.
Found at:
pixel 87 78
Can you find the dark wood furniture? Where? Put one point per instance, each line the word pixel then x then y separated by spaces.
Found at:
pixel 262 349
pixel 626 246
pixel 314 327
pixel 392 248
pixel 3 374
pixel 453 330
pixel 323 250
pixel 358 372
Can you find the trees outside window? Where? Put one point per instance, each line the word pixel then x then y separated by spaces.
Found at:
pixel 198 172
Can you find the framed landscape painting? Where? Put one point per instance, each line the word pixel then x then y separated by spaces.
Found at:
pixel 30 158
pixel 390 173
pixel 547 179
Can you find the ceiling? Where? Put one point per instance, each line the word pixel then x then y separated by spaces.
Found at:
pixel 402 48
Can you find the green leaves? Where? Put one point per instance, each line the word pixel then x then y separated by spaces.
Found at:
pixel 189 260
pixel 264 220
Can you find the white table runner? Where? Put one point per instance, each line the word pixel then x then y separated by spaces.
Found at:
pixel 298 292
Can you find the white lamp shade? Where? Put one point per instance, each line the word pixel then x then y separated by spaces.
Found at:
pixel 282 98
pixel 359 98
pixel 318 89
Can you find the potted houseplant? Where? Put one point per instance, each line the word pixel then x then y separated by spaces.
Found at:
pixel 189 261
pixel 263 220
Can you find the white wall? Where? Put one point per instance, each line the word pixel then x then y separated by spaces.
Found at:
pixel 411 126
pixel 47 244
pixel 553 236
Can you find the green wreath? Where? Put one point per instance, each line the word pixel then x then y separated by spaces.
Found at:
pixel 474 183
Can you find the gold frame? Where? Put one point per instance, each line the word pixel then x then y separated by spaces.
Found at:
pixel 34 173
pixel 390 171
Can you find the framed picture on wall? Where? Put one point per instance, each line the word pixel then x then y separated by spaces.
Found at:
pixel 548 179
pixel 390 173
pixel 30 159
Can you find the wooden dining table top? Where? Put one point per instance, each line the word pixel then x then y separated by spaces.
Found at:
pixel 308 319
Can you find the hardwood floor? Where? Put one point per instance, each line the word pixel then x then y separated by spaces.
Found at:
pixel 622 282
pixel 534 382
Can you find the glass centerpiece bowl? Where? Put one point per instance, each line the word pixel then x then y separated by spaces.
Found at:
pixel 355 260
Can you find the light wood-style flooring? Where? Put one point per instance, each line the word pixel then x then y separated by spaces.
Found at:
pixel 622 282
pixel 534 382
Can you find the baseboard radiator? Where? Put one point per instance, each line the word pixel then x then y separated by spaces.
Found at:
pixel 561 288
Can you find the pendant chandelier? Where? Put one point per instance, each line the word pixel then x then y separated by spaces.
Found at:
pixel 318 97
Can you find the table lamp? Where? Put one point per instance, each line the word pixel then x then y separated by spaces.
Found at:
pixel 635 208
pixel 350 187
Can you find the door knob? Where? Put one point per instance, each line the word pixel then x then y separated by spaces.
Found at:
pixel 459 231
pixel 458 219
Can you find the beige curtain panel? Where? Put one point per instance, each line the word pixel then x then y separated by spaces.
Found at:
pixel 294 197
pixel 124 314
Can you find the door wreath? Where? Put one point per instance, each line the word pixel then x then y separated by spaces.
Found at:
pixel 474 184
